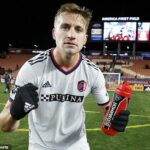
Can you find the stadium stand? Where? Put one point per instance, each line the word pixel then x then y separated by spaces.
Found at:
pixel 140 67
pixel 127 68
pixel 14 61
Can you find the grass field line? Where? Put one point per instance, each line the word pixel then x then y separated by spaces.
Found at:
pixel 133 115
pixel 97 112
pixel 96 129
pixel 133 126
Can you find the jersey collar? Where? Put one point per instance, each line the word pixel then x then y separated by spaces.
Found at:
pixel 61 69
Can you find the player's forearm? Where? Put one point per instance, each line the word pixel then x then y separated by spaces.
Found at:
pixel 104 108
pixel 7 123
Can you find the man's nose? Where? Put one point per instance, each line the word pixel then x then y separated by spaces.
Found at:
pixel 71 33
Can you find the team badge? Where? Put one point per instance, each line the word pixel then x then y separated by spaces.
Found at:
pixel 82 85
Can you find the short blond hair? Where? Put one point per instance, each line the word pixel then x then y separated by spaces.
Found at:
pixel 75 9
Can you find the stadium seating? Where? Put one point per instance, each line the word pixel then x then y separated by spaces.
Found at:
pixel 139 67
pixel 130 68
pixel 14 62
pixel 14 59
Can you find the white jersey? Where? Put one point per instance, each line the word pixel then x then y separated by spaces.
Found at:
pixel 59 120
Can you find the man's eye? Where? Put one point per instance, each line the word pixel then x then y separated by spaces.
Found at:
pixel 79 29
pixel 65 27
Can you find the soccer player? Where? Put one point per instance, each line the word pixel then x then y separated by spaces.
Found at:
pixel 7 81
pixel 52 86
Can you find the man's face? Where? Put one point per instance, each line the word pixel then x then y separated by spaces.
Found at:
pixel 70 33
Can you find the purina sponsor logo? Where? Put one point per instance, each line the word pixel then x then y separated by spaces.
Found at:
pixel 61 98
pixel 46 84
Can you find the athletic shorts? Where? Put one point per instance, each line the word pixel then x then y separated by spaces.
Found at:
pixel 82 144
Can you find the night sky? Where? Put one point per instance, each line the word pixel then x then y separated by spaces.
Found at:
pixel 28 22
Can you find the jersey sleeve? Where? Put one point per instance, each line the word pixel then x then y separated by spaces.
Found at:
pixel 99 90
pixel 24 76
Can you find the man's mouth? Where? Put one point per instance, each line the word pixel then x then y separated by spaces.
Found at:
pixel 70 43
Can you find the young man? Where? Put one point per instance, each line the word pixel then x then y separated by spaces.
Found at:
pixel 54 85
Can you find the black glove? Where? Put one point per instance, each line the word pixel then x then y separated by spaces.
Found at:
pixel 26 99
pixel 120 121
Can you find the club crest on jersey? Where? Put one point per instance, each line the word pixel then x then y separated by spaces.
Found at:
pixel 82 85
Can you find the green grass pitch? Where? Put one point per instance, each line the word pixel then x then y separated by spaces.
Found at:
pixel 136 136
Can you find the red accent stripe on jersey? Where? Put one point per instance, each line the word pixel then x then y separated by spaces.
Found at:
pixel 61 69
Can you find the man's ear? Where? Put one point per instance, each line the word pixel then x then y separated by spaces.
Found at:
pixel 53 33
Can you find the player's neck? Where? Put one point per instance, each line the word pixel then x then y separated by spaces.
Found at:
pixel 66 62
